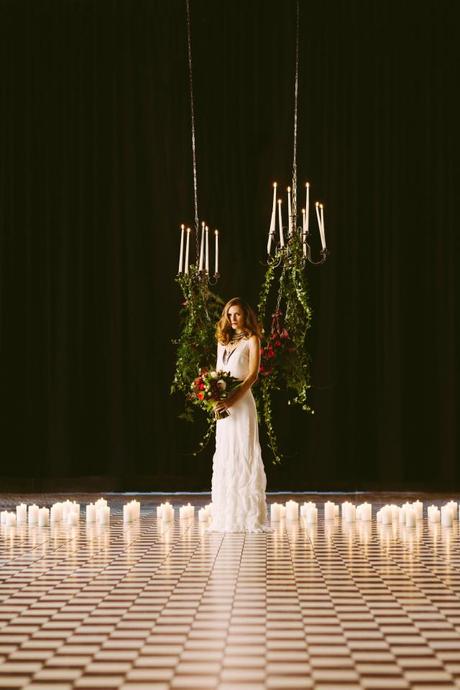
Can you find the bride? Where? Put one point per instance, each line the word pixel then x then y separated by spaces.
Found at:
pixel 238 477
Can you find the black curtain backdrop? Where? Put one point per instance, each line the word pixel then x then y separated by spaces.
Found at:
pixel 96 177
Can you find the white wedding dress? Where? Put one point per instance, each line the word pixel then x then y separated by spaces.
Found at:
pixel 238 475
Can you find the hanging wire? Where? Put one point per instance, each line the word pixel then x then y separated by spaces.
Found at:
pixel 296 92
pixel 192 117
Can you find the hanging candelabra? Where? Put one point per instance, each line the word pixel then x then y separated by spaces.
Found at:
pixel 203 263
pixel 293 229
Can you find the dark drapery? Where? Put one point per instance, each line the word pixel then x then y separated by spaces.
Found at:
pixel 95 178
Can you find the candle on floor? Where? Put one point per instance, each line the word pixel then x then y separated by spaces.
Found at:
pixel 329 510
pixel 275 512
pixel 411 517
pixel 21 513
pixel 11 519
pixel 43 517
pixel 33 515
pixel 103 515
pixel 364 512
pixel 446 516
pixel 434 514
pixel 418 507
pixel 292 510
pixel 91 513
pixel 203 515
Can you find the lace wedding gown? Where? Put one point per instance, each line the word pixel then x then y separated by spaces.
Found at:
pixel 238 475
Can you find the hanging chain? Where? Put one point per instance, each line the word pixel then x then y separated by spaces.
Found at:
pixel 296 92
pixel 192 117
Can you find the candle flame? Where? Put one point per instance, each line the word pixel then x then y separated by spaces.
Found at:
pixel 182 227
pixel 275 184
pixel 188 230
pixel 307 184
pixel 316 203
pixel 216 232
pixel 289 189
pixel 279 201
pixel 303 210
pixel 203 223
pixel 321 205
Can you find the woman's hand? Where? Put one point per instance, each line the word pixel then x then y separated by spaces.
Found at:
pixel 223 405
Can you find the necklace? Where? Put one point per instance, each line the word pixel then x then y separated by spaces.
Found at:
pixel 234 340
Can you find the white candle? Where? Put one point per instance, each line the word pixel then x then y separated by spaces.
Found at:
pixel 207 249
pixel 103 515
pixel 271 232
pixel 318 217
pixel 292 510
pixel 289 212
pixel 349 514
pixel 311 514
pixel 216 235
pixel 280 222
pixel 33 515
pixel 181 252
pixel 446 516
pixel 275 513
pixel 127 513
pixel 91 513
pixel 10 519
pixel 418 507
pixel 366 512
pixel 3 517
pixel 21 513
pixel 307 209
pixel 411 517
pixel 159 512
pixel 329 510
pixel 434 514
pixel 43 517
pixel 187 246
pixel 321 228
pixel 386 517
pixel 201 262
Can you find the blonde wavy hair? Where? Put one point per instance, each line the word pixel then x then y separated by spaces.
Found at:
pixel 224 330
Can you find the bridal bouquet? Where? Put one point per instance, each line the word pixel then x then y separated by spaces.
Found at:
pixel 212 386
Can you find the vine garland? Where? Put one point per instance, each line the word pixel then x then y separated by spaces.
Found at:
pixel 285 364
pixel 196 344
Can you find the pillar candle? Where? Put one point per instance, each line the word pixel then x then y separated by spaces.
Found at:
pixel 275 513
pixel 292 510
pixel 91 511
pixel 103 515
pixel 411 517
pixel 446 516
pixel 21 513
pixel 329 510
pixel 10 519
pixel 202 515
pixel 43 517
pixel 311 515
pixel 418 507
pixel 33 515
pixel 3 517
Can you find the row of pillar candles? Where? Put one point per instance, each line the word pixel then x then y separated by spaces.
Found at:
pixel 68 513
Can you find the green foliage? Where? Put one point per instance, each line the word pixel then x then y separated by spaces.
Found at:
pixel 196 344
pixel 285 364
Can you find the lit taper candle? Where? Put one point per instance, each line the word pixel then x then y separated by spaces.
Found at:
pixel 216 235
pixel 201 262
pixel 289 212
pixel 271 232
pixel 321 229
pixel 187 246
pixel 280 221
pixel 207 249
pixel 181 252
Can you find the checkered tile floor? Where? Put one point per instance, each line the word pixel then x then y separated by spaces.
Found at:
pixel 148 606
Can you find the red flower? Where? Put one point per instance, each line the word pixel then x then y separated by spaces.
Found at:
pixel 277 343
pixel 200 396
